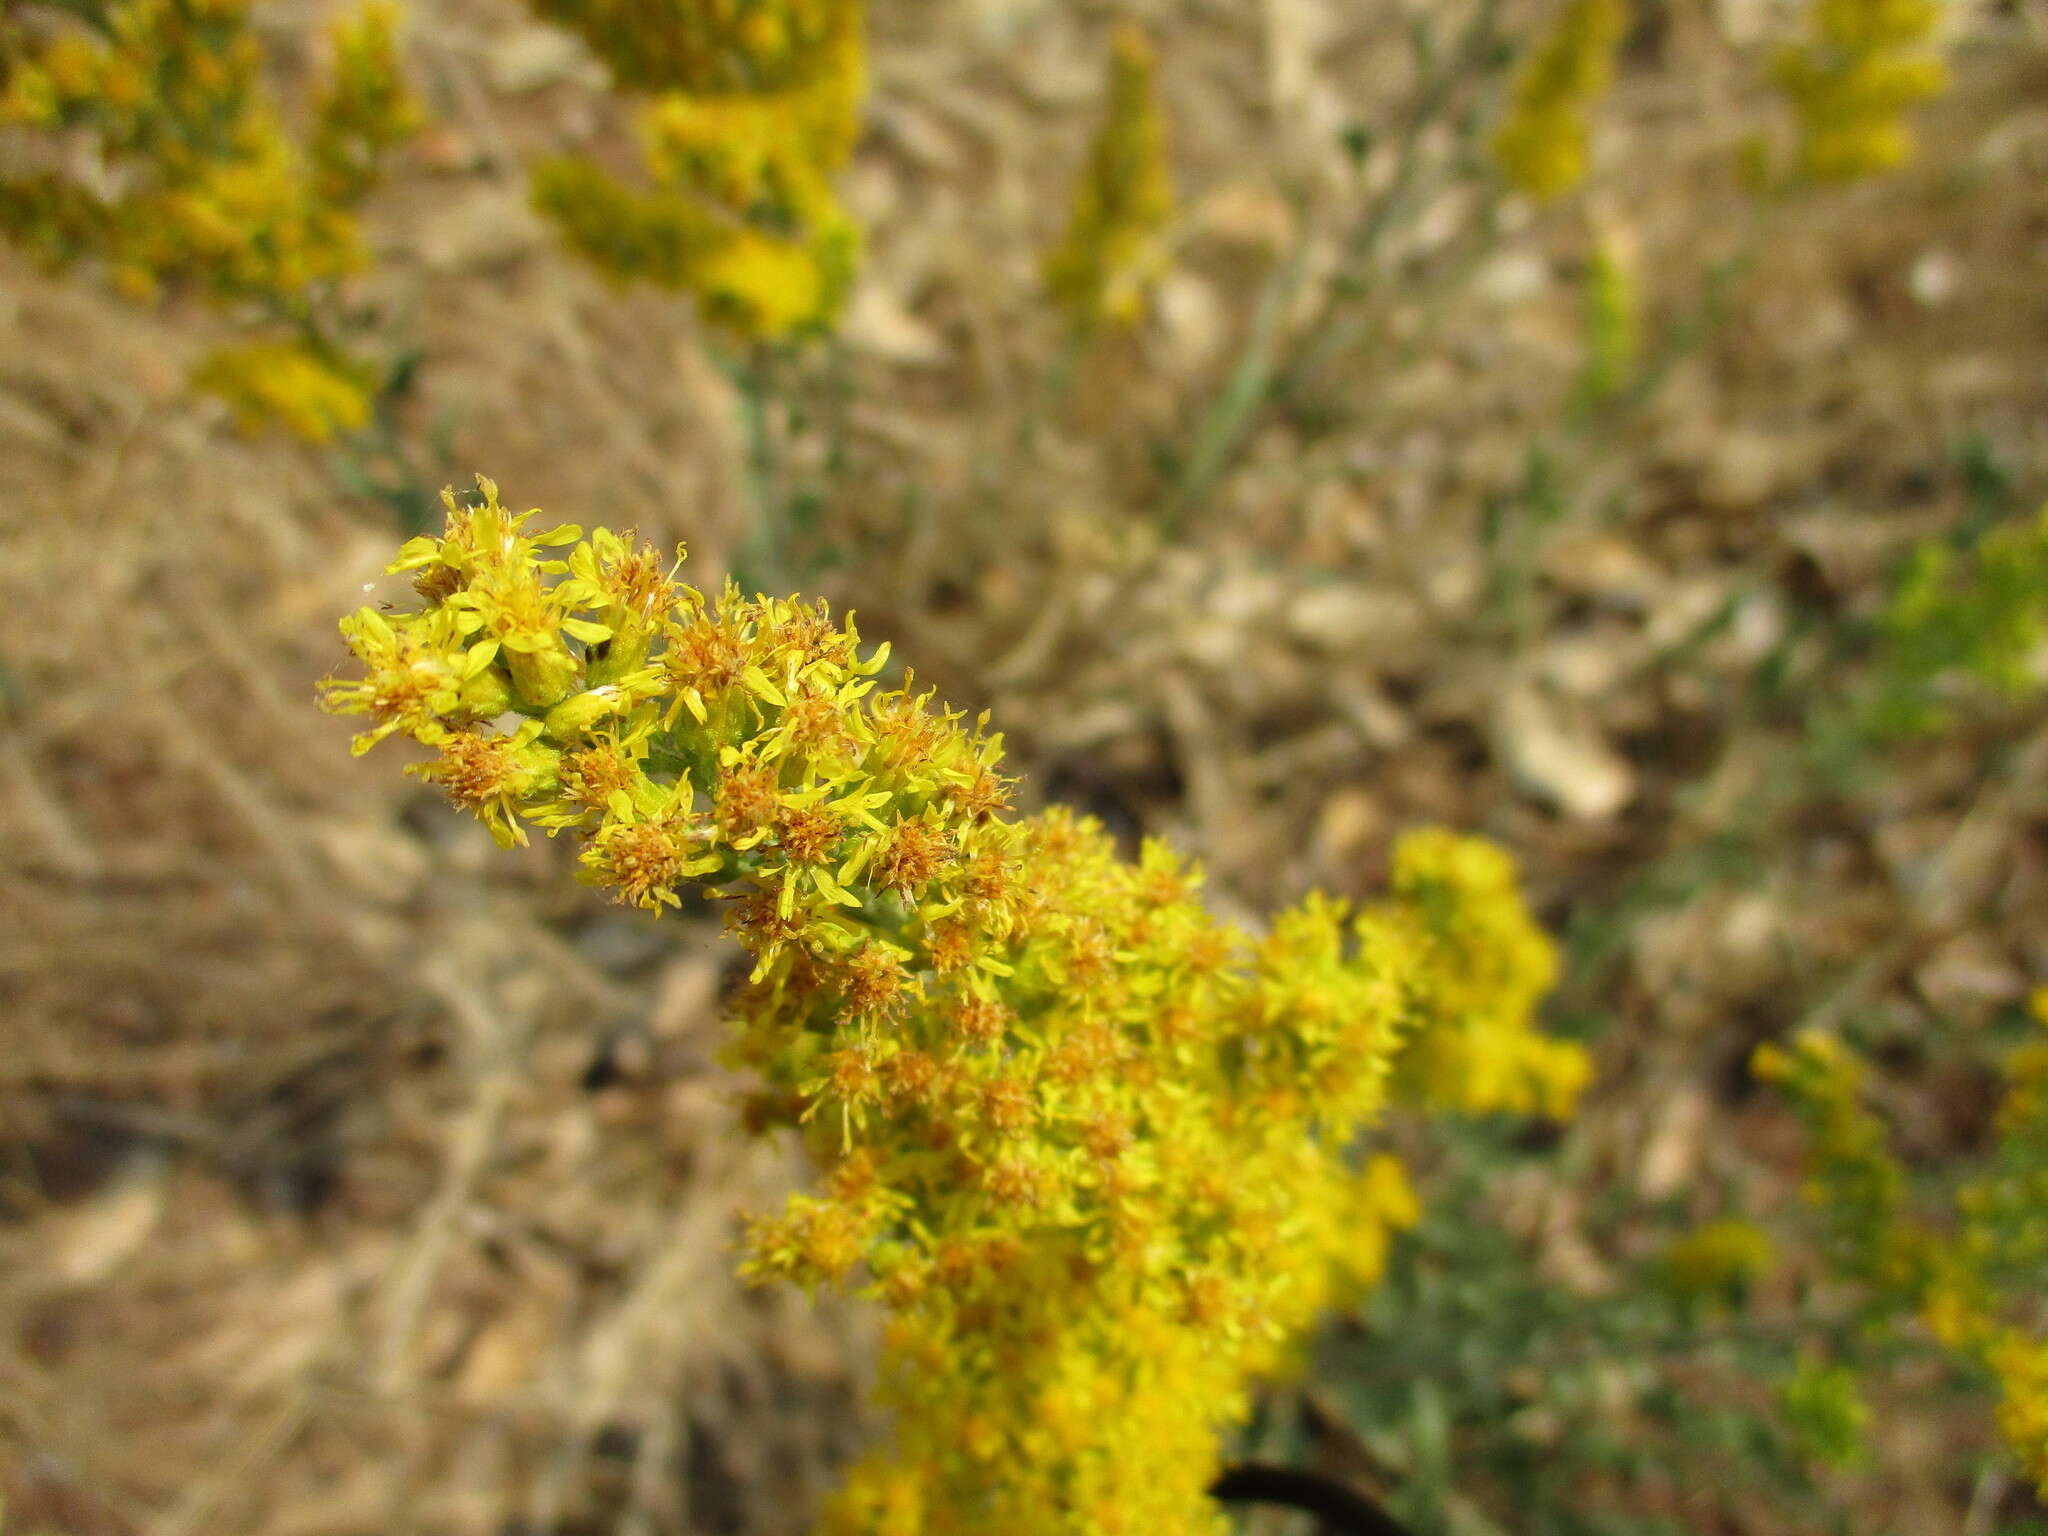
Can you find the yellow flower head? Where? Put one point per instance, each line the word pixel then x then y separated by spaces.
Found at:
pixel 1086 1145
pixel 309 394
pixel 1850 80
pixel 211 193
pixel 1542 143
pixel 755 112
pixel 1716 1263
pixel 2022 1368
pixel 1969 1277
pixel 1114 252
pixel 1456 902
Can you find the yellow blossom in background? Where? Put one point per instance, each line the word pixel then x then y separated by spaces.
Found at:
pixel 1114 251
pixel 1456 902
pixel 753 109
pixel 2022 1368
pixel 288 385
pixel 1542 144
pixel 364 109
pixel 208 192
pixel 1851 79
pixel 1972 1279
pixel 1716 1263
pixel 712 47
pixel 1089 1148
pixel 1856 1180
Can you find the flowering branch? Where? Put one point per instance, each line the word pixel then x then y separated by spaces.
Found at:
pixel 1092 1150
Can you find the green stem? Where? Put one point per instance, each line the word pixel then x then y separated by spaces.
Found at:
pixel 1252 382
pixel 1246 390
pixel 761 562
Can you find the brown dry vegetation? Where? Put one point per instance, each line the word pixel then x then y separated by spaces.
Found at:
pixel 354 1176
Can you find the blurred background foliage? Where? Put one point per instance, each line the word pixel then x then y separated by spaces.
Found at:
pixel 1616 428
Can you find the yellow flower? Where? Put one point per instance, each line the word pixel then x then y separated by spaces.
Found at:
pixel 1089 1147
pixel 205 191
pixel 364 110
pixel 1542 143
pixel 755 114
pixel 1716 1263
pixel 284 384
pixel 1852 78
pixel 1489 963
pixel 2022 1368
pixel 1114 251
pixel 494 776
pixel 1957 1276
pixel 424 678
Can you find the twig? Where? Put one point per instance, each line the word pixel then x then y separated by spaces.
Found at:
pixel 1251 383
pixel 762 559
pixel 1990 1491
pixel 1473 45
pixel 1343 1510
pixel 64 846
pixel 499 1042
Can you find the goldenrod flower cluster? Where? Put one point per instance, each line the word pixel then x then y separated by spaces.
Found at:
pixel 1542 144
pixel 1975 1282
pixel 1862 64
pixel 1114 251
pixel 364 110
pixel 1092 1149
pixel 200 187
pixel 1715 1265
pixel 311 393
pixel 2021 1365
pixel 1979 614
pixel 1480 977
pixel 754 108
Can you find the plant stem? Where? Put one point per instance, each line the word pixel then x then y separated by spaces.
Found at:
pixel 1342 1510
pixel 1251 382
pixel 760 563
